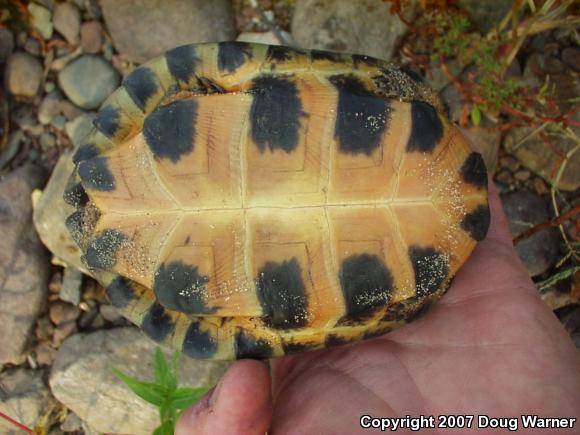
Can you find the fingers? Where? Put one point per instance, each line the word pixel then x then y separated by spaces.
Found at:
pixel 241 403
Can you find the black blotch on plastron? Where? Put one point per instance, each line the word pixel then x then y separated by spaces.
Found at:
pixel 141 85
pixel 275 114
pixel 291 347
pixel 232 55
pixel 426 128
pixel 361 59
pixel 181 287
pixel 431 269
pixel 95 174
pixel 476 223
pixel 169 130
pixel 102 249
pixel 282 294
pixel 198 344
pixel 413 74
pixel 362 116
pixel 182 62
pixel 85 152
pixel 120 292
pixel 108 121
pixel 325 55
pixel 75 194
pixel 279 53
pixel 157 324
pixel 74 223
pixel 248 346
pixel 333 340
pixel 367 285
pixel 474 172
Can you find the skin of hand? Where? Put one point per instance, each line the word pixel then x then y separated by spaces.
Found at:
pixel 489 346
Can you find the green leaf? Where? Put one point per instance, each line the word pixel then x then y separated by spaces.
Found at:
pixel 167 428
pixel 152 393
pixel 475 115
pixel 183 398
pixel 163 374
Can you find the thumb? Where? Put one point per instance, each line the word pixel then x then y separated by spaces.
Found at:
pixel 241 403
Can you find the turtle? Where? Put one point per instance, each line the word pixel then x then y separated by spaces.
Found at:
pixel 241 200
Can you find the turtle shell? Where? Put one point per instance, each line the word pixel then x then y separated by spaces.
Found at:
pixel 242 200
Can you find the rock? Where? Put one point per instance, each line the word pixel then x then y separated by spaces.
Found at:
pixel 363 27
pixel 536 155
pixel 33 47
pixel 6 44
pixel 485 15
pixel 78 129
pixel 91 37
pixel 61 312
pixel 50 213
pixel 143 29
pixel 72 282
pixel 24 397
pixel 47 141
pixel 524 210
pixel 62 332
pixel 40 19
pixel 110 313
pixel 571 57
pixel 49 108
pixel 88 81
pixel 72 423
pixel 104 402
pixel 67 21
pixel 266 38
pixel 23 75
pixel 24 263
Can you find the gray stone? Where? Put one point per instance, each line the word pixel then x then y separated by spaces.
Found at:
pixel 23 75
pixel 40 19
pixel 88 81
pixel 67 21
pixel 525 210
pixel 143 29
pixel 485 15
pixel 6 44
pixel 47 140
pixel 50 213
pixel 33 47
pixel 49 108
pixel 266 38
pixel 23 397
pixel 24 264
pixel 91 37
pixel 364 27
pixel 72 282
pixel 104 402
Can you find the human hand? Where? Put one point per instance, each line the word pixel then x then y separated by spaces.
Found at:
pixel 490 346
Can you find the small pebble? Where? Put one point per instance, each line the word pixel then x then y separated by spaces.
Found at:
pixel 44 329
pixel 58 122
pixel 60 312
pixel 540 186
pixel 40 19
pixel 23 75
pixel 47 141
pixel 110 313
pixel 67 21
pixel 91 37
pixel 45 353
pixel 63 331
pixel 49 108
pixel 6 44
pixel 32 46
pixel 504 177
pixel 522 175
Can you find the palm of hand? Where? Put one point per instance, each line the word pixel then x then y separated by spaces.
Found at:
pixel 490 346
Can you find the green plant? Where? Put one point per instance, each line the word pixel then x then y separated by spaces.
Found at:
pixel 164 392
